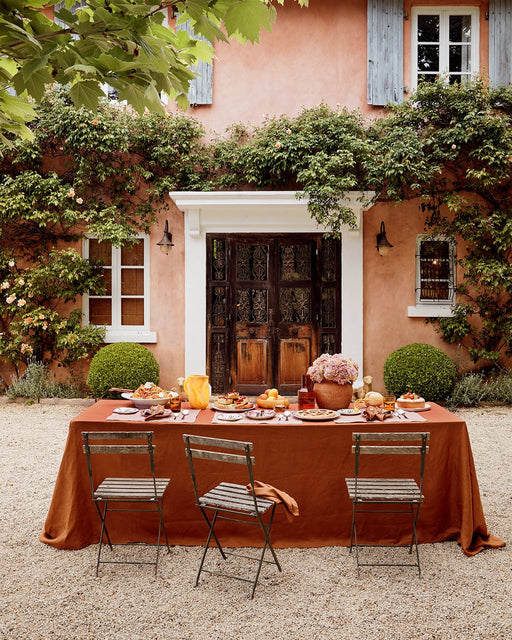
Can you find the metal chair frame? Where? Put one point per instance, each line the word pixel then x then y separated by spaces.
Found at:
pixel 387 491
pixel 148 490
pixel 232 499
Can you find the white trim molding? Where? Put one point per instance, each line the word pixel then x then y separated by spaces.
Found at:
pixel 263 212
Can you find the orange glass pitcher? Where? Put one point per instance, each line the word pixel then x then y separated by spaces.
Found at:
pixel 197 388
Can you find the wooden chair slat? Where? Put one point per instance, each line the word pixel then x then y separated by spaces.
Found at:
pixel 219 456
pixel 218 442
pixel 392 435
pixel 399 450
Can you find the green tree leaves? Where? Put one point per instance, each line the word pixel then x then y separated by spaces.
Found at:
pixel 123 43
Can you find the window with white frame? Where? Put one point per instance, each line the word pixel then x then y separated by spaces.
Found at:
pixel 123 307
pixel 445 43
pixel 435 276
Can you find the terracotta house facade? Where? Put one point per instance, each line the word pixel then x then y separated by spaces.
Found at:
pixel 251 292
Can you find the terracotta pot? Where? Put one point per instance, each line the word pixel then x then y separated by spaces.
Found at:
pixel 331 395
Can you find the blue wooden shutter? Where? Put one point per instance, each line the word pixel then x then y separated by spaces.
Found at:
pixel 500 42
pixel 201 88
pixel 385 42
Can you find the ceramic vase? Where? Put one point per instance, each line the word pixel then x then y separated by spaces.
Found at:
pixel 331 395
pixel 198 390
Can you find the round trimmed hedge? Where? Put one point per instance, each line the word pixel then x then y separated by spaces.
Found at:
pixel 122 364
pixel 420 368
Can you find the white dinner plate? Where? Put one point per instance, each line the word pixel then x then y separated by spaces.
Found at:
pixel 126 410
pixel 229 417
pixel 349 412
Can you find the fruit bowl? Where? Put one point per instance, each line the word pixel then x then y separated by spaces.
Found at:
pixel 145 403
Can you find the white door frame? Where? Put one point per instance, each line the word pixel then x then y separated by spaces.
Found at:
pixel 263 212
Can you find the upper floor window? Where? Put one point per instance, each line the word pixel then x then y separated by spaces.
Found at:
pixel 123 308
pixel 444 43
pixel 435 276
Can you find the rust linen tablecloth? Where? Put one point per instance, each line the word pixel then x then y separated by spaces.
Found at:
pixel 309 461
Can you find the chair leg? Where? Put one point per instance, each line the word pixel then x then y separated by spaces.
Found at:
pixel 266 533
pixel 356 546
pixel 207 543
pixel 414 536
pixel 212 532
pixel 103 517
pixel 353 527
pixel 162 525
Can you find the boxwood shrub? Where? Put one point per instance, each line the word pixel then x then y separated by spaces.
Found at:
pixel 420 368
pixel 123 364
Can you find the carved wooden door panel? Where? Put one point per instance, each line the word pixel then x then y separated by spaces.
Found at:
pixel 273 305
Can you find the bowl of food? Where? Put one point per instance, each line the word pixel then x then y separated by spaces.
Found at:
pixel 149 395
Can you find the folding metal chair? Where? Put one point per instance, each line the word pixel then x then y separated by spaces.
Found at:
pixel 230 501
pixel 405 492
pixel 117 490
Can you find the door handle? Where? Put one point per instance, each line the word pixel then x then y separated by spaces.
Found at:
pixel 252 331
pixel 295 331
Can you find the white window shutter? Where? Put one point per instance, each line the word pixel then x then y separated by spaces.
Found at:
pixel 385 49
pixel 500 42
pixel 201 87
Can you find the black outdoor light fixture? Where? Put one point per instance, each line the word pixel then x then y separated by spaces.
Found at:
pixel 166 242
pixel 383 244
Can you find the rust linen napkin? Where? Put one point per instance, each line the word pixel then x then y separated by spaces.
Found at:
pixel 269 492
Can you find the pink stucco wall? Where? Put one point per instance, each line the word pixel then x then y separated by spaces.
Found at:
pixel 312 55
pixel 389 289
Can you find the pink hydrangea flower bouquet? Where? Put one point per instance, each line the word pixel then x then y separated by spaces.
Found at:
pixel 334 368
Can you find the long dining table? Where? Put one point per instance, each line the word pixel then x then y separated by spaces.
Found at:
pixel 307 460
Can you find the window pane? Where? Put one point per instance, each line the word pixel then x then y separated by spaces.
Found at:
pixel 424 77
pixel 107 282
pixel 428 28
pixel 100 311
pixel 428 57
pixel 133 254
pixel 132 282
pixel 100 251
pixel 132 311
pixel 460 29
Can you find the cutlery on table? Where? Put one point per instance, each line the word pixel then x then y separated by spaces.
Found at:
pixel 184 413
pixel 287 415
pixel 401 413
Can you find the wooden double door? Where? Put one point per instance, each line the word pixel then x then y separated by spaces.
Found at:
pixel 273 306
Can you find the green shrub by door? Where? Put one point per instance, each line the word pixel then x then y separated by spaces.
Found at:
pixel 420 368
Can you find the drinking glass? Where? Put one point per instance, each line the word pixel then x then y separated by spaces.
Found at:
pixel 389 402
pixel 280 406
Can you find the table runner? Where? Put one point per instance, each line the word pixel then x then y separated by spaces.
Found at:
pixel 308 461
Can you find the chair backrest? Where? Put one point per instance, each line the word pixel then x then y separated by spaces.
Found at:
pixel 391 444
pixel 205 453
pixel 134 442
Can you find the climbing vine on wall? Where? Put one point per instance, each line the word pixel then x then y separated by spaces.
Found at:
pixel 108 173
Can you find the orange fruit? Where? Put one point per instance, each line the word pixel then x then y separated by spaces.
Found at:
pixel 273 393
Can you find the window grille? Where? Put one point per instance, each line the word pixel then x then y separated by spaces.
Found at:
pixel 435 270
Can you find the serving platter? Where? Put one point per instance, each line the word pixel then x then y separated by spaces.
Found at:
pixel 232 410
pixel 316 415
pixel 427 407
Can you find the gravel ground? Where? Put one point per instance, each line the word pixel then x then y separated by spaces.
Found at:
pixel 50 594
